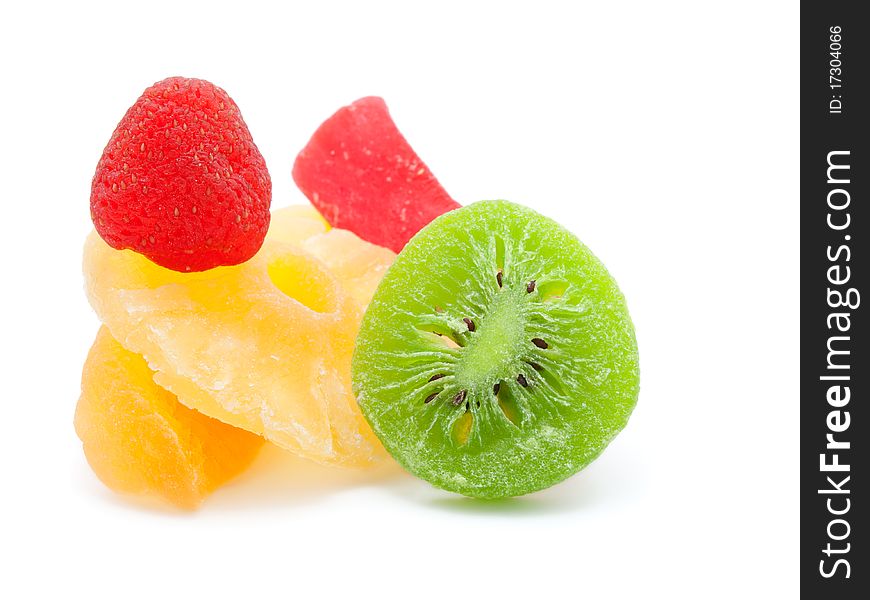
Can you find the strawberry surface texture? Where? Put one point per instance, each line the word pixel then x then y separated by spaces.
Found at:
pixel 181 180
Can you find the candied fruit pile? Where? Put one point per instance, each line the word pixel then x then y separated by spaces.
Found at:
pixel 497 356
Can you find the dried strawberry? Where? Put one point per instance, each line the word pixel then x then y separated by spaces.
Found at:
pixel 181 180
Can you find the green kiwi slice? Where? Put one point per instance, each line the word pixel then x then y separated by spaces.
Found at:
pixel 497 356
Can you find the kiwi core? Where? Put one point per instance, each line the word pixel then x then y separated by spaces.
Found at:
pixel 497 341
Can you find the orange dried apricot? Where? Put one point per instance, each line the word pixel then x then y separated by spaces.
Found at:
pixel 139 439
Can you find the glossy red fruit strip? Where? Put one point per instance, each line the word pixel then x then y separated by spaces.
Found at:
pixel 362 175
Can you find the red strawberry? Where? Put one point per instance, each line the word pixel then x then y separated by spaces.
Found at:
pixel 181 180
pixel 362 175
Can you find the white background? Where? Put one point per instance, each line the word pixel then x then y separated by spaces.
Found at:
pixel 665 134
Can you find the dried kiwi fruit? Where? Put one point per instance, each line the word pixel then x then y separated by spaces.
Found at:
pixel 497 356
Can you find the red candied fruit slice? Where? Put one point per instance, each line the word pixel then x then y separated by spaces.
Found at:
pixel 362 175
